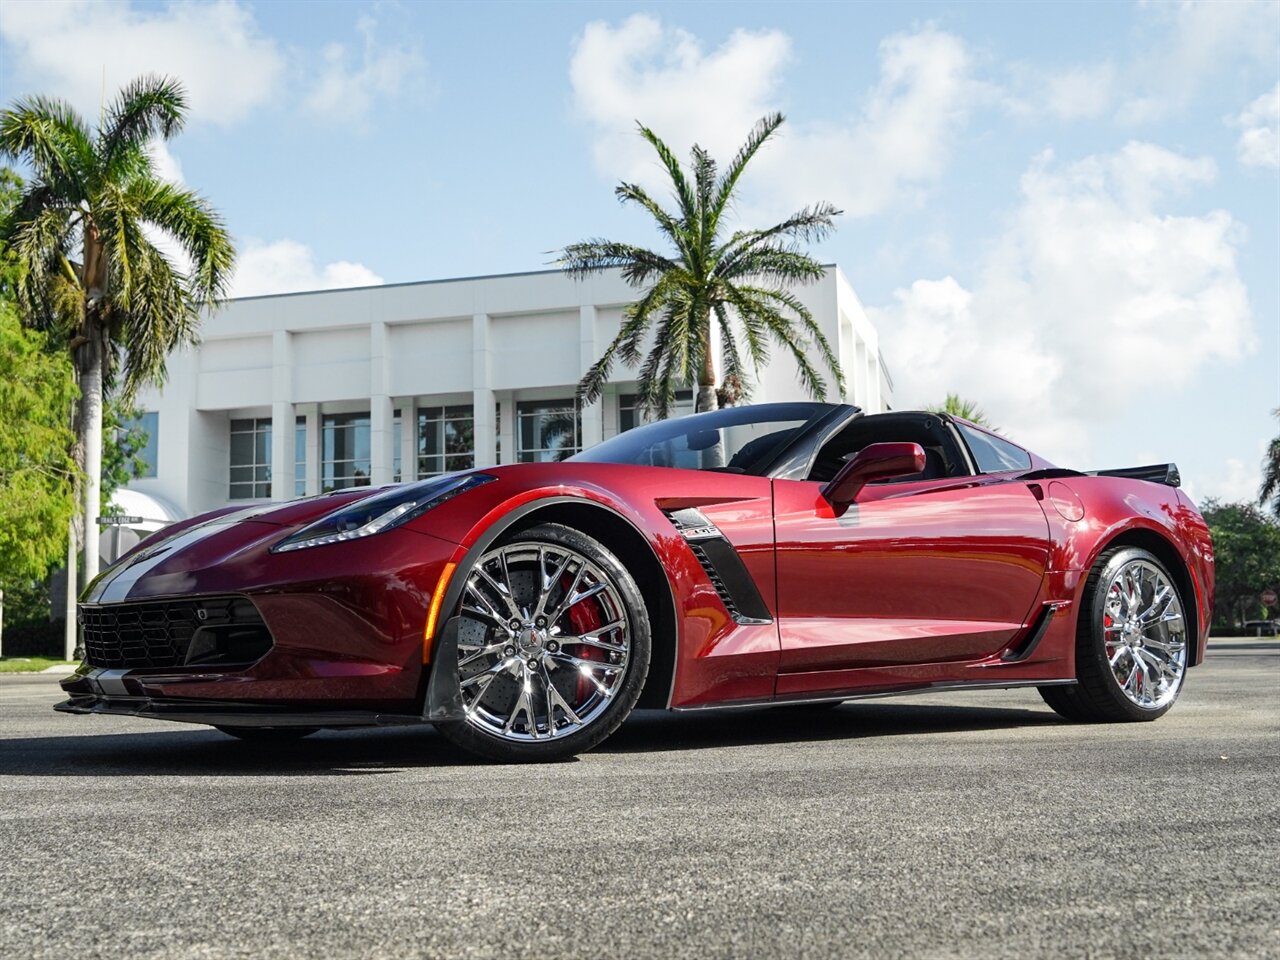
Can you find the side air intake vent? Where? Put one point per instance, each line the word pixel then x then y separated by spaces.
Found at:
pixel 724 568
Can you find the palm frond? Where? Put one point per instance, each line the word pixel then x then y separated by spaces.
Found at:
pixel 773 264
pixel 1269 490
pixel 679 183
pixel 50 136
pixel 763 130
pixel 148 107
pixel 580 260
pixel 810 225
pixel 765 303
pixel 196 225
pixel 675 231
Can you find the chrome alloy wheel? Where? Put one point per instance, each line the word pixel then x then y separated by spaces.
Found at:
pixel 544 643
pixel 1144 634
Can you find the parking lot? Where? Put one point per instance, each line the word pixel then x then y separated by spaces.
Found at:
pixel 949 825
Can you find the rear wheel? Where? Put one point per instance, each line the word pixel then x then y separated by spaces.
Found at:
pixel 1131 642
pixel 553 647
pixel 268 734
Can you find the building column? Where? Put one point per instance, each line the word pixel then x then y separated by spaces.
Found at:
pixel 507 429
pixel 381 409
pixel 408 439
pixel 282 416
pixel 315 450
pixel 484 429
pixel 873 380
pixel 592 413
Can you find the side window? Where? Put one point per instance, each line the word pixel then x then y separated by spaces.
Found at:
pixel 992 454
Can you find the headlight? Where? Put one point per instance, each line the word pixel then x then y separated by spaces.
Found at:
pixel 383 511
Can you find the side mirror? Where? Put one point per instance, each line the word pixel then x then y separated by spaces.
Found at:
pixel 879 461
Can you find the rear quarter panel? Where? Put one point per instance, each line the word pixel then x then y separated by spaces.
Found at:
pixel 1088 514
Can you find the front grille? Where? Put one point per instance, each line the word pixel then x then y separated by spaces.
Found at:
pixel 173 633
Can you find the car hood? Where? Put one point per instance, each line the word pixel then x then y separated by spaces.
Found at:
pixel 224 536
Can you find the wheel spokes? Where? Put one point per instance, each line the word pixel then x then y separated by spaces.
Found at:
pixel 1142 634
pixel 518 680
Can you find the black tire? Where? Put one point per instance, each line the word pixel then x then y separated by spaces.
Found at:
pixel 268 734
pixel 1097 696
pixel 472 738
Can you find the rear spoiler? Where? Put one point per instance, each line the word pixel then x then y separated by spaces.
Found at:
pixel 1166 473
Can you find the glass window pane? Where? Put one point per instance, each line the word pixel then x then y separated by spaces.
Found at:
pixel 262 444
pixel 241 449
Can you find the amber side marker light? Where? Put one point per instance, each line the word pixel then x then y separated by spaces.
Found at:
pixel 433 611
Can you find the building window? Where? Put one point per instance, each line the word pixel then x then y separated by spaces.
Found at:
pixel 446 440
pixel 630 414
pixel 547 431
pixel 146 455
pixel 250 459
pixel 345 443
pixel 300 457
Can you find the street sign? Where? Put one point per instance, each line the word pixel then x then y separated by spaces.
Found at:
pixel 1268 598
pixel 121 521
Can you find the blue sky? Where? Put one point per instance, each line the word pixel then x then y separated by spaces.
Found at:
pixel 1069 212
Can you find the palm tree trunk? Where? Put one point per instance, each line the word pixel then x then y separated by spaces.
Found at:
pixel 71 635
pixel 91 424
pixel 92 357
pixel 707 400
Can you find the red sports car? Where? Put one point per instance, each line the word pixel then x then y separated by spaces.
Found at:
pixel 759 555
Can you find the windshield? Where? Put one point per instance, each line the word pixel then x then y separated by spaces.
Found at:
pixel 735 440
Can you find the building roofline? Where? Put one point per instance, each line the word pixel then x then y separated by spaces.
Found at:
pixel 419 283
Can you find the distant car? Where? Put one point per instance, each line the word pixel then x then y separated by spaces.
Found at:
pixel 1261 628
pixel 761 555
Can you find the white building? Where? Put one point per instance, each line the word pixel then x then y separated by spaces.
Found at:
pixel 297 394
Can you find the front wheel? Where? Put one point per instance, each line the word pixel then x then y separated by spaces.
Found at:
pixel 553 647
pixel 1131 642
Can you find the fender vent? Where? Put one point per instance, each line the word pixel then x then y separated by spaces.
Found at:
pixel 722 565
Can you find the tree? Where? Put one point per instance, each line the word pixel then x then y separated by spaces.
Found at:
pixel 958 406
pixel 92 275
pixel 37 393
pixel 1269 492
pixel 708 285
pixel 1246 551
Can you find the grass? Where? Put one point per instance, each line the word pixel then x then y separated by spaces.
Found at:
pixel 32 664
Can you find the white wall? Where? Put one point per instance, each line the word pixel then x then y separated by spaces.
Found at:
pixel 485 341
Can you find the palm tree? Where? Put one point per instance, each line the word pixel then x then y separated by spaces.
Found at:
pixel 85 233
pixel 1269 492
pixel 958 406
pixel 742 277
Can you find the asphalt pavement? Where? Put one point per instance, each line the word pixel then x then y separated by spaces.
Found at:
pixel 950 825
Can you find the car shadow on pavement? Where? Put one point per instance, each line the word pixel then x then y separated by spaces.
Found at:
pixel 655 730
pixel 202 751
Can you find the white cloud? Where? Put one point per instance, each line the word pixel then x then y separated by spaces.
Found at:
pixel 345 90
pixel 1235 482
pixel 164 163
pixel 1077 92
pixel 1092 303
pixel 661 77
pixel 1192 42
pixel 287 266
pixel 76 48
pixel 898 141
pixel 1259 143
pixel 1179 49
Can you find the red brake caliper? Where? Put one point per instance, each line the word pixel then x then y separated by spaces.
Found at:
pixel 583 618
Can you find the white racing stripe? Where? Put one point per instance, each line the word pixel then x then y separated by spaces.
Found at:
pixel 115 587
